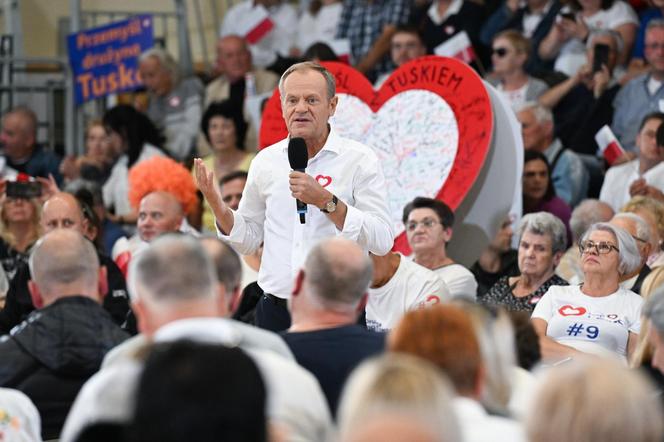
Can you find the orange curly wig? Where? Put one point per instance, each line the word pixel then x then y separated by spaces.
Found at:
pixel 162 174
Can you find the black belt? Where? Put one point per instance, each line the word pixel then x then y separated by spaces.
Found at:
pixel 281 302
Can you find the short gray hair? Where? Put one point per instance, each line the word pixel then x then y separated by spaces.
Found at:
pixel 542 113
pixel 653 309
pixel 227 265
pixel 587 213
pixel 173 268
pixel 642 227
pixel 617 38
pixel 310 66
pixel 543 223
pixel 628 252
pixel 63 257
pixel 166 61
pixel 337 280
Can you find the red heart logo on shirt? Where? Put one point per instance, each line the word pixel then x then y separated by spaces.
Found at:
pixel 323 180
pixel 430 124
pixel 568 310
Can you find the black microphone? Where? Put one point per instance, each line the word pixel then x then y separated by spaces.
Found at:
pixel 298 157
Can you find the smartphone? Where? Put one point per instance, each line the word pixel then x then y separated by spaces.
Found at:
pixel 600 56
pixel 23 189
pixel 568 15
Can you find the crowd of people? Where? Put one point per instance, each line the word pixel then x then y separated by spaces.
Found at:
pixel 165 286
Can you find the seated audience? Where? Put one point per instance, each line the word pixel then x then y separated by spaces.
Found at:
pixel 539 194
pixel 330 293
pixel 19 230
pixel 199 392
pixel 643 175
pixel 582 104
pixel 133 138
pixel 399 285
pixel 652 356
pixel 63 342
pixel 542 241
pixel 533 19
pixel 406 44
pixel 64 211
pixel 598 317
pixel 458 356
pixel 428 225
pixel 565 41
pixel 639 229
pixel 237 80
pixel 569 175
pixel 642 356
pixel 20 149
pixel 318 24
pixel 275 44
pixel 370 39
pixel 180 293
pixel 509 55
pixel 653 12
pixel 641 96
pixel 397 397
pixel 587 213
pixel 175 103
pixel 611 404
pixel 652 212
pixel 95 164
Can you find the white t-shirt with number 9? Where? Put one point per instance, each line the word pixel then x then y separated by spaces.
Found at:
pixel 590 324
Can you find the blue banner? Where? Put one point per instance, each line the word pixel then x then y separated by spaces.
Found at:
pixel 104 60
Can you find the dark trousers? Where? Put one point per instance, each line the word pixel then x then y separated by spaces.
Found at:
pixel 272 314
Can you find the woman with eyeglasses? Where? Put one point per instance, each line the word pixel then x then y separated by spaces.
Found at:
pixel 542 241
pixel 509 55
pixel 598 316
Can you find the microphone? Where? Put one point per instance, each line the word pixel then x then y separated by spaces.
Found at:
pixel 298 157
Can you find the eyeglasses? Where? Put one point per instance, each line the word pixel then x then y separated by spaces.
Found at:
pixel 427 223
pixel 601 248
pixel 499 52
pixel 641 240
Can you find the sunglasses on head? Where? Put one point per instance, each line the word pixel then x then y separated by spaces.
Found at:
pixel 500 52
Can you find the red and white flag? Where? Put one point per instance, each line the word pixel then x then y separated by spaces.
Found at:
pixel 458 47
pixel 609 145
pixel 341 48
pixel 255 25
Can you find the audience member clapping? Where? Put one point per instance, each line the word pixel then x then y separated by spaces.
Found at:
pixel 542 241
pixel 95 164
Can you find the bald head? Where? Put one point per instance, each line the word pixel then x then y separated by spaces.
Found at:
pixel 158 213
pixel 63 262
pixel 63 211
pixel 337 272
pixel 233 57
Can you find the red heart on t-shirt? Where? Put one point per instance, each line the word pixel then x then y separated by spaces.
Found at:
pixel 568 310
pixel 324 180
pixel 430 124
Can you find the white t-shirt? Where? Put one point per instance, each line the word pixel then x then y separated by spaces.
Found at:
pixel 460 282
pixel 319 28
pixel 573 53
pixel 516 98
pixel 590 324
pixel 615 190
pixel 411 287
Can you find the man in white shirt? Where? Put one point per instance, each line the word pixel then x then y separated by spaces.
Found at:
pixel 400 285
pixel 276 42
pixel 344 181
pixel 428 229
pixel 178 294
pixel 643 175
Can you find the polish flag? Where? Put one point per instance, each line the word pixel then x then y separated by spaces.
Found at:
pixel 458 47
pixel 255 25
pixel 341 48
pixel 609 145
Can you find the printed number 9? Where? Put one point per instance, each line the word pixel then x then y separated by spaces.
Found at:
pixel 592 332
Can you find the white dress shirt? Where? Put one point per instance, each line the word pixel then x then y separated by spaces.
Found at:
pixel 267 211
pixel 615 190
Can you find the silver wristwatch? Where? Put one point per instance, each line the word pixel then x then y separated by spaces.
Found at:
pixel 331 205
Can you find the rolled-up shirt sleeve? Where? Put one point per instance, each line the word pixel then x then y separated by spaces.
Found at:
pixel 367 219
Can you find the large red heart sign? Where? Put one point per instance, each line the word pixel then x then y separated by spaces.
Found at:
pixel 568 310
pixel 430 124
